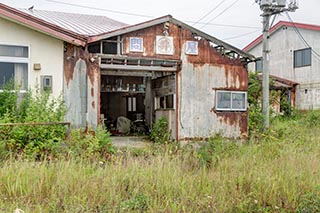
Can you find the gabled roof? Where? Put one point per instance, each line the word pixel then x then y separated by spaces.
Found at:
pixel 277 27
pixel 81 29
pixel 82 24
pixel 170 19
pixel 69 27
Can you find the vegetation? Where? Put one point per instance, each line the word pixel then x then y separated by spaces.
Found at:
pixel 39 142
pixel 160 133
pixel 274 171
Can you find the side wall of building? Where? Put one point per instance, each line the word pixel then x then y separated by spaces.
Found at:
pixel 43 49
pixel 283 43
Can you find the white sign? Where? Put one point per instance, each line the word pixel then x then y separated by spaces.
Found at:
pixel 164 45
pixel 136 44
pixel 192 47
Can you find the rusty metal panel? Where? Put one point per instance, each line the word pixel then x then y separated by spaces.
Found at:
pixel 81 87
pixel 149 41
pixel 201 76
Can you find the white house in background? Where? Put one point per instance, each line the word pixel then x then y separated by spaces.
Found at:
pixel 295 56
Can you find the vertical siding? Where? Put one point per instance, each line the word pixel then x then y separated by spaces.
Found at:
pixel 81 87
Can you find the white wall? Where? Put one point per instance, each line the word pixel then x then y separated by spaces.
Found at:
pixel 283 43
pixel 46 50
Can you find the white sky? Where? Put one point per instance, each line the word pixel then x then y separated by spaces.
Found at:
pixel 245 14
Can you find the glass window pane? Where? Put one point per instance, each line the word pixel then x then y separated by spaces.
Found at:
pixel 224 100
pixel 307 57
pixel 6 73
pixel 16 71
pixel 259 65
pixel 13 51
pixel 238 100
pixel 297 58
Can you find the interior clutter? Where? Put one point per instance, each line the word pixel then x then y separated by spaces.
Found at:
pixel 123 104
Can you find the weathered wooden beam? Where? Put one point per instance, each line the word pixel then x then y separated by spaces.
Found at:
pixel 138 68
pixel 126 73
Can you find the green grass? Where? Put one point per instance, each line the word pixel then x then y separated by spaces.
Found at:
pixel 278 171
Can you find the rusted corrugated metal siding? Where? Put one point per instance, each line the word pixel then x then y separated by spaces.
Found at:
pixel 197 82
pixel 149 41
pixel 81 87
pixel 202 76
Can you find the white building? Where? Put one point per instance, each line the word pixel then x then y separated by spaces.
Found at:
pixel 295 56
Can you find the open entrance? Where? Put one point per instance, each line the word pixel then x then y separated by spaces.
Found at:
pixel 123 103
pixel 135 92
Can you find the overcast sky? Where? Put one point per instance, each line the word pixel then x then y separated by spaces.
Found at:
pixel 237 22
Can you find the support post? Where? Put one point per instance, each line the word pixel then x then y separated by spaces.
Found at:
pixel 265 71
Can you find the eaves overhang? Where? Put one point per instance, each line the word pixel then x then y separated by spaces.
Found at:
pixel 42 26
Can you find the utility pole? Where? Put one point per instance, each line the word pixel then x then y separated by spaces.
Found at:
pixel 270 8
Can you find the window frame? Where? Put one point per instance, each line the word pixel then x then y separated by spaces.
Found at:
pixel 18 60
pixel 256 67
pixel 303 63
pixel 157 102
pixel 231 109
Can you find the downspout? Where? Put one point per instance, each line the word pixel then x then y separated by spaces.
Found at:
pixel 178 82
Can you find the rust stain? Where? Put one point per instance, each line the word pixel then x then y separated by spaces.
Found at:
pixel 235 119
pixel 93 104
pixel 93 68
pixel 92 92
pixel 149 41
pixel 69 62
pixel 238 77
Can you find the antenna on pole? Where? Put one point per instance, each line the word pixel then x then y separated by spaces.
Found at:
pixel 270 8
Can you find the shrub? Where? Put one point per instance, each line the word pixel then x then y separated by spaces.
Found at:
pixel 159 133
pixel 37 140
pixel 91 144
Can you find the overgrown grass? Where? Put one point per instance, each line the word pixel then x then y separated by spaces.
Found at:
pixel 276 171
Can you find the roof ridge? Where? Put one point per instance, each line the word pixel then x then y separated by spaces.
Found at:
pixel 277 26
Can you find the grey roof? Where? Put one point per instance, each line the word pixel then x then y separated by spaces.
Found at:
pixel 79 23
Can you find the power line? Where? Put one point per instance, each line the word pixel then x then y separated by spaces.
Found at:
pixel 209 12
pixel 301 37
pixel 224 25
pixel 238 36
pixel 147 16
pixel 101 9
pixel 225 10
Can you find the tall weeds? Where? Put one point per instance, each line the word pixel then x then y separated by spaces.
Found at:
pixel 277 171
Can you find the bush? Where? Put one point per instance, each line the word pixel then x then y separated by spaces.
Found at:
pixel 91 144
pixel 37 140
pixel 159 133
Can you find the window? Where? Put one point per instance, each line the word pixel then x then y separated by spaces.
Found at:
pixel 231 101
pixel 259 66
pixel 14 65
pixel 132 104
pixel 164 102
pixel 302 57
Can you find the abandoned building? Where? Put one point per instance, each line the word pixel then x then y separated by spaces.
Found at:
pixel 107 70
